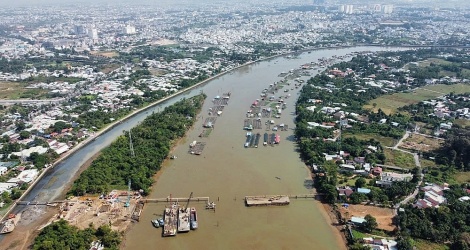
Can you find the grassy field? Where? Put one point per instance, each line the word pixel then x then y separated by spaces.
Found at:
pixel 385 141
pixel 462 123
pixel 462 177
pixel 390 103
pixel 427 245
pixel 109 54
pixel 427 163
pixel 18 90
pixel 399 159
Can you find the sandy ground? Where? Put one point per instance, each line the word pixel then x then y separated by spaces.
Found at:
pixel 382 215
pixel 421 143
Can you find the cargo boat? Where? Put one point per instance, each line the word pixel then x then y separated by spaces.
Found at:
pixel 183 220
pixel 193 217
pixel 170 220
pixel 248 139
pixel 257 139
pixel 277 139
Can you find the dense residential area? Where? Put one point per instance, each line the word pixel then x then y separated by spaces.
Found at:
pixel 384 134
pixel 400 158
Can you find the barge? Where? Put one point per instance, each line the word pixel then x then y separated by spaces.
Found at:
pixel 183 220
pixel 170 221
pixel 268 200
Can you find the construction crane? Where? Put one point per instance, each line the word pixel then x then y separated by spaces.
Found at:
pixel 187 203
pixel 128 202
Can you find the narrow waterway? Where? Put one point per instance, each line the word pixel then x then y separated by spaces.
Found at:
pixel 226 172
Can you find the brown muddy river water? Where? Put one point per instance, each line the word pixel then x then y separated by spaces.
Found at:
pixel 227 172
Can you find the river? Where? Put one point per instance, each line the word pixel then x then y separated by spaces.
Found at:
pixel 225 172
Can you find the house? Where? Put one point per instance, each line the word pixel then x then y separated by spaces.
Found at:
pixel 347 167
pixel 387 178
pixel 357 221
pixel 360 160
pixel 433 196
pixel 377 171
pixel 347 191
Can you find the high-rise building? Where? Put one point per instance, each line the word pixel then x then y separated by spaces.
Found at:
pixel 79 30
pixel 377 8
pixel 349 9
pixel 93 34
pixel 128 30
pixel 388 9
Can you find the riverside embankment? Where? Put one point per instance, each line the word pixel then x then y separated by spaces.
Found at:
pixel 227 172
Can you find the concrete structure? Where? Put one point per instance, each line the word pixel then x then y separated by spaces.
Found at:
pixel 387 178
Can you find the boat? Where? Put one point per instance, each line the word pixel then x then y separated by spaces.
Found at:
pixel 257 139
pixel 210 205
pixel 183 220
pixel 193 217
pixel 155 223
pixel 277 139
pixel 265 139
pixel 247 142
pixel 170 221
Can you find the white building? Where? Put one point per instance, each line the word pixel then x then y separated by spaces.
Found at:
pixel 93 34
pixel 128 30
pixel 388 9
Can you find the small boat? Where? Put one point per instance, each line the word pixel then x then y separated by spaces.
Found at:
pixel 265 139
pixel 210 205
pixel 193 218
pixel 155 223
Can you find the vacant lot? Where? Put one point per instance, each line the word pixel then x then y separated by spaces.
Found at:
pixel 109 54
pixel 399 159
pixel 17 90
pixel 382 215
pixel 385 141
pixel 421 143
pixel 390 103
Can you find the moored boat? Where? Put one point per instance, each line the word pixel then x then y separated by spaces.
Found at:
pixel 170 221
pixel 183 220
pixel 193 218
pixel 265 139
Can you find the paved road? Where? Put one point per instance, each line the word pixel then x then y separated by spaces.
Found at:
pixel 417 164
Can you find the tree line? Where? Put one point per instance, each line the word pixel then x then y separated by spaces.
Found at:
pixel 152 140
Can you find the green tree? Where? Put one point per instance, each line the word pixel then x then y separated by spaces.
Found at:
pixel 360 182
pixel 25 134
pixel 370 223
pixel 404 243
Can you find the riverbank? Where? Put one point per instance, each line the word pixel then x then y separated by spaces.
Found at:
pixel 242 86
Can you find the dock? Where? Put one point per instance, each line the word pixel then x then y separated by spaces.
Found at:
pixel 172 199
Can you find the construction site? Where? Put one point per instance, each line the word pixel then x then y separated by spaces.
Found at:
pixel 118 209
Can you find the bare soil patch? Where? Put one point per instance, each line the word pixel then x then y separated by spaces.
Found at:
pixel 382 215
